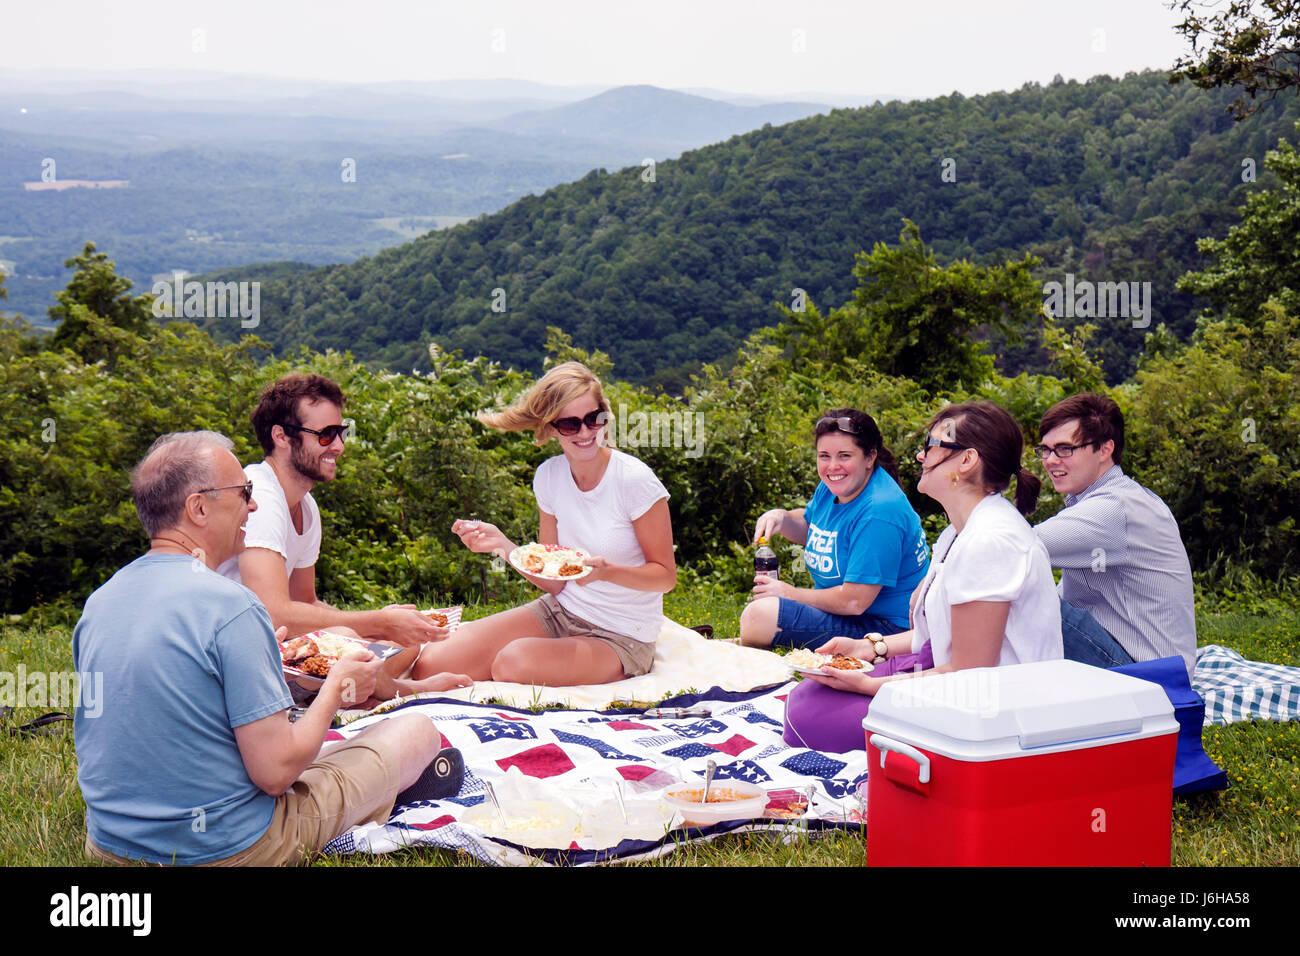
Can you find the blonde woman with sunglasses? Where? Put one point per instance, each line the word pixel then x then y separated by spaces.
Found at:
pixel 598 628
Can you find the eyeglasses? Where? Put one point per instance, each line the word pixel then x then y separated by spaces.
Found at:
pixel 843 423
pixel 572 425
pixel 246 489
pixel 1060 451
pixel 936 443
pixel 324 436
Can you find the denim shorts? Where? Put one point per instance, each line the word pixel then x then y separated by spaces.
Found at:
pixel 799 625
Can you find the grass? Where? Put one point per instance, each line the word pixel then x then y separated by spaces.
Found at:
pixel 1254 823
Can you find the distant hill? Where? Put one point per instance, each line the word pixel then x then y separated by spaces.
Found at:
pixel 651 113
pixel 1110 179
pixel 221 177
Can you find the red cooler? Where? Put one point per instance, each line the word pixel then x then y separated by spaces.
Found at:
pixel 1049 764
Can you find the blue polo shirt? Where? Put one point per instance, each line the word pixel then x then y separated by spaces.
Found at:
pixel 874 539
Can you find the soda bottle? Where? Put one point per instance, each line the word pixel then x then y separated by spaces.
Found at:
pixel 765 561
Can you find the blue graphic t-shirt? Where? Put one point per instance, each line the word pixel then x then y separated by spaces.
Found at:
pixel 874 539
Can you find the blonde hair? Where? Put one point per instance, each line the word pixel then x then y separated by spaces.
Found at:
pixel 536 408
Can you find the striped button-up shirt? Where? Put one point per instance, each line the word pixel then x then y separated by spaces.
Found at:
pixel 1123 562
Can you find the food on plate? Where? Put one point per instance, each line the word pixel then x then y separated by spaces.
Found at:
pixel 316 653
pixel 802 657
pixel 437 618
pixel 550 561
pixel 298 649
pixel 806 660
pixel 318 665
pixel 842 663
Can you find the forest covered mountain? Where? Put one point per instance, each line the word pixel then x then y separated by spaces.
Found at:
pixel 213 177
pixel 666 267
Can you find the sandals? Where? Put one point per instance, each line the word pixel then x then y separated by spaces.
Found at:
pixel 705 629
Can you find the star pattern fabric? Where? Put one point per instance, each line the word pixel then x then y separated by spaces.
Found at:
pixel 582 755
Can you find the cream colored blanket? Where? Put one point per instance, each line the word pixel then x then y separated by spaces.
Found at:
pixel 684 661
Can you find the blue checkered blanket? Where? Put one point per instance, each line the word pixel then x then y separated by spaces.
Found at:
pixel 1237 689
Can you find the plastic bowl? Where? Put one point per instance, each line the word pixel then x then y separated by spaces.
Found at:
pixel 604 825
pixel 540 824
pixel 745 801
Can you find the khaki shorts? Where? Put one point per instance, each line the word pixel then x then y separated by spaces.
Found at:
pixel 354 783
pixel 635 656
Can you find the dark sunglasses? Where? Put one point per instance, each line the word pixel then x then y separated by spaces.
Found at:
pixel 572 425
pixel 844 424
pixel 324 436
pixel 936 443
pixel 246 489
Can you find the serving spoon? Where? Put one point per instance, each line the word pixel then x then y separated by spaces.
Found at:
pixel 492 795
pixel 710 769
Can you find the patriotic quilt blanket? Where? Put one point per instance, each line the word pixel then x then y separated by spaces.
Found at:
pixel 578 757
pixel 1237 689
pixel 685 662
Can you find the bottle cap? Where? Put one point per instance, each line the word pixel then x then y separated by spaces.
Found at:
pixel 762 540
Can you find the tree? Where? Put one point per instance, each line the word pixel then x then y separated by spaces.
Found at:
pixel 96 290
pixel 1258 259
pixel 1247 43
pixel 909 317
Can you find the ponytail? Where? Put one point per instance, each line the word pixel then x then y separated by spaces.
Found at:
pixel 1027 488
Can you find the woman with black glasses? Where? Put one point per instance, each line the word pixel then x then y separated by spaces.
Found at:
pixel 597 628
pixel 863 545
pixel 988 598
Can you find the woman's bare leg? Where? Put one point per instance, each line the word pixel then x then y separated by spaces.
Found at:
pixel 473 646
pixel 557 662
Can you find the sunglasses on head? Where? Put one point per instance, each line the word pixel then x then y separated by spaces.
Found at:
pixel 573 424
pixel 844 423
pixel 324 436
pixel 246 489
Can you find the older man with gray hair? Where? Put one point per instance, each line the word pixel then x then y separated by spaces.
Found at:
pixel 193 759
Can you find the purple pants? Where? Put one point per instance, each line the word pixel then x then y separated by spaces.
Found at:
pixel 829 720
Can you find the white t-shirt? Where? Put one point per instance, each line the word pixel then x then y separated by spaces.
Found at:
pixel 271 526
pixel 997 557
pixel 600 522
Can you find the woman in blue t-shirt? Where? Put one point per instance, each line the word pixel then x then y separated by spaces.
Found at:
pixel 863 545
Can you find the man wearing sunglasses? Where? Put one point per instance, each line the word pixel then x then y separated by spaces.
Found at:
pixel 1126 583
pixel 192 759
pixel 299 424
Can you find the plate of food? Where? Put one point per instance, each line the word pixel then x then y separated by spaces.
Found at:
pixel 310 657
pixel 550 561
pixel 804 661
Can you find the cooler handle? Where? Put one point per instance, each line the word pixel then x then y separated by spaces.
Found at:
pixel 886 744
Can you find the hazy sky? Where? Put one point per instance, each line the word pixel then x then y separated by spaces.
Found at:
pixel 918 48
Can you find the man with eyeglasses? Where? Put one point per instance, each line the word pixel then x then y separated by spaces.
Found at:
pixel 299 424
pixel 1126 583
pixel 190 757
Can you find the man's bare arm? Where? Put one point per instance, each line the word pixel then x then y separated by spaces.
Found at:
pixel 276 751
pixel 263 572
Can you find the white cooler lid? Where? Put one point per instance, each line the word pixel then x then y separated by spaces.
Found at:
pixel 987 713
